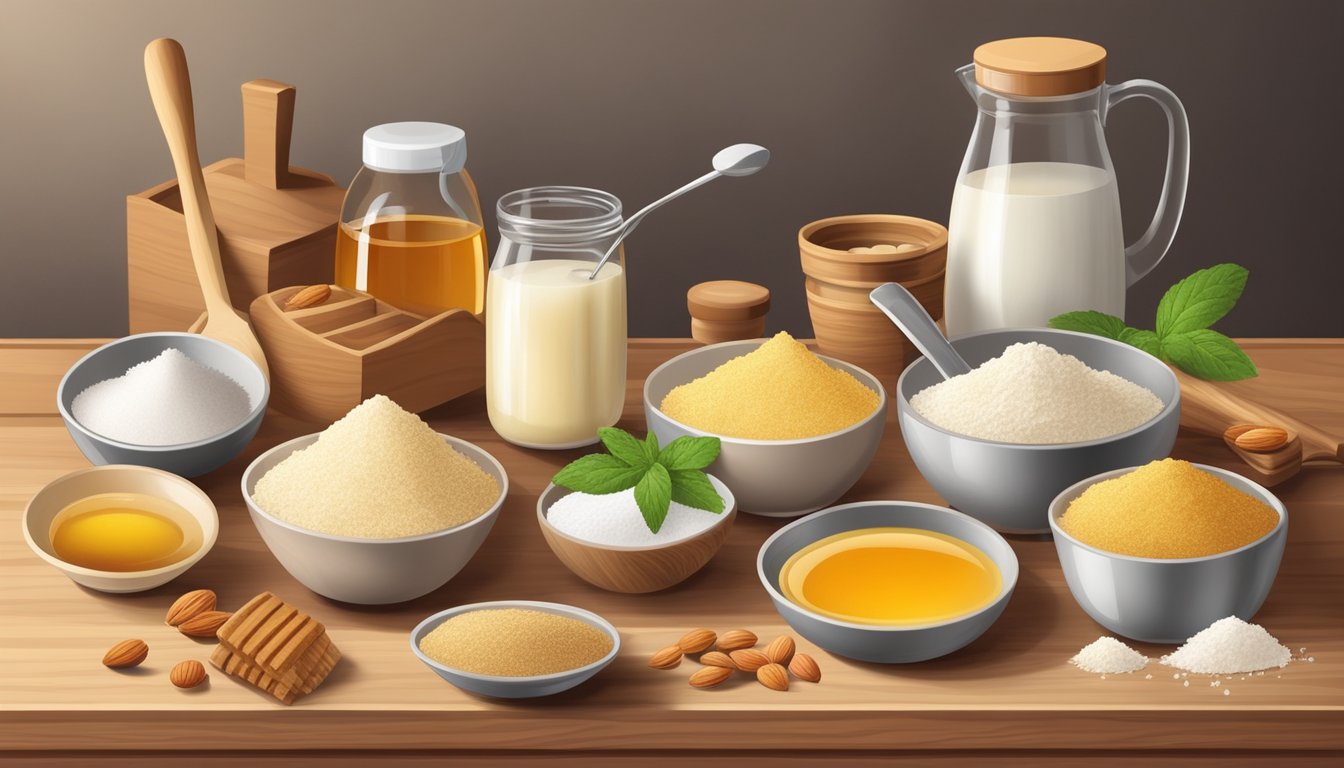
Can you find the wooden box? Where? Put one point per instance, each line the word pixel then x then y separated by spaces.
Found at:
pixel 277 224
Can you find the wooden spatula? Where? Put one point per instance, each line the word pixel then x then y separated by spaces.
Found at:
pixel 170 89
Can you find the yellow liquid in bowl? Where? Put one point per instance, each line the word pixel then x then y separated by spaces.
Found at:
pixel 124 532
pixel 891 577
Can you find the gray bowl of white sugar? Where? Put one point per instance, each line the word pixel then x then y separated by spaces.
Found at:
pixel 180 402
pixel 1009 483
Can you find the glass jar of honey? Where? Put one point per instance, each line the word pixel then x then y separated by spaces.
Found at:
pixel 410 231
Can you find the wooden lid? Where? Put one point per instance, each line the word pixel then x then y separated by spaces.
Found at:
pixel 1040 66
pixel 728 300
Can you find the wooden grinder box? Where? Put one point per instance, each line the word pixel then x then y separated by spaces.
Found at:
pixel 277 224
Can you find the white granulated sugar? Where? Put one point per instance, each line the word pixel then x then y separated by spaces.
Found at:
pixel 168 400
pixel 1108 656
pixel 1033 394
pixel 1229 646
pixel 614 519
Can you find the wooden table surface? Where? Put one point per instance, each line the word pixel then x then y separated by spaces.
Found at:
pixel 1009 698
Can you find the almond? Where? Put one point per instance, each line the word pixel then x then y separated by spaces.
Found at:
pixel 774 677
pixel 780 650
pixel 309 297
pixel 204 624
pixel 1237 430
pixel 717 659
pixel 1262 439
pixel 667 658
pixel 805 668
pixel 127 653
pixel 708 677
pixel 188 674
pixel 749 659
pixel 190 605
pixel 697 640
pixel 735 639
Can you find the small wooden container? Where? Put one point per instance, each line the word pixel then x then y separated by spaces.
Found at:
pixel 329 358
pixel 847 325
pixel 277 224
pixel 727 310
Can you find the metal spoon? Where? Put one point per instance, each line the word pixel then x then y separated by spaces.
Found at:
pixel 910 316
pixel 737 160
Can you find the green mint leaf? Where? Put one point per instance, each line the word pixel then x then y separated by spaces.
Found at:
pixel 651 446
pixel 1200 300
pixel 653 494
pixel 1088 321
pixel 688 452
pixel 1208 355
pixel 624 447
pixel 1145 340
pixel 598 473
pixel 692 488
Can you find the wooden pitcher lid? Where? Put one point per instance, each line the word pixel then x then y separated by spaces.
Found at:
pixel 1040 66
pixel 728 300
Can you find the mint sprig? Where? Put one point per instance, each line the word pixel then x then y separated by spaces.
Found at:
pixel 1183 337
pixel 659 477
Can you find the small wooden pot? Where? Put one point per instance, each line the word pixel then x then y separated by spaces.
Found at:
pixel 727 310
pixel 633 569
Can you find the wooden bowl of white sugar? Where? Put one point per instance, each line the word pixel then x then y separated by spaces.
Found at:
pixel 605 542
pixel 1027 423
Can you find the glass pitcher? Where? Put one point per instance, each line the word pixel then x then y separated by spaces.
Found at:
pixel 555 339
pixel 1035 227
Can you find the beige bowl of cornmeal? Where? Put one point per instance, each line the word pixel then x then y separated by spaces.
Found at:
pixel 372 571
pixel 773 478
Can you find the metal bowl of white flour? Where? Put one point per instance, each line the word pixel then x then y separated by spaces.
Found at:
pixel 187 411
pixel 1010 485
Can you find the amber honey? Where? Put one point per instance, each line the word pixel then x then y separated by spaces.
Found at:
pixel 124 532
pixel 891 576
pixel 421 264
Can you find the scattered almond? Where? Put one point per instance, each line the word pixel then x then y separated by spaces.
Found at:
pixel 805 668
pixel 774 677
pixel 127 653
pixel 736 639
pixel 309 297
pixel 780 650
pixel 1237 430
pixel 749 659
pixel 667 658
pixel 188 674
pixel 1262 439
pixel 697 640
pixel 190 605
pixel 204 624
pixel 708 677
pixel 718 659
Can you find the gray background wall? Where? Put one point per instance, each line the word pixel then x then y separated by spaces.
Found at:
pixel 856 100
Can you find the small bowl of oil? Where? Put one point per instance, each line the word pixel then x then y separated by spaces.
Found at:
pixel 121 528
pixel 893 582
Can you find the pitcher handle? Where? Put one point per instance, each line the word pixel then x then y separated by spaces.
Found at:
pixel 1145 253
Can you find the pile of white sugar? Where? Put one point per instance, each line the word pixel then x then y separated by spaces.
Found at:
pixel 168 400
pixel 614 519
pixel 1033 394
pixel 1108 656
pixel 380 472
pixel 1229 646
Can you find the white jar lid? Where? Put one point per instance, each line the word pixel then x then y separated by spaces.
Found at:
pixel 415 147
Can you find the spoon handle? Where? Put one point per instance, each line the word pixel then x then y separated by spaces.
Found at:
pixel 910 316
pixel 634 220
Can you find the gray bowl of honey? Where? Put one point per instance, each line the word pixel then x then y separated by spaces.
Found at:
pixel 893 582
pixel 120 528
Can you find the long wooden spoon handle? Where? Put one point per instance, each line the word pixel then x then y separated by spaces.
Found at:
pixel 170 89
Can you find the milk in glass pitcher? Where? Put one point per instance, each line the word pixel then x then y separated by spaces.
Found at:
pixel 1035 224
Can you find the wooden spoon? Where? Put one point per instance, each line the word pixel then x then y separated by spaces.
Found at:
pixel 170 89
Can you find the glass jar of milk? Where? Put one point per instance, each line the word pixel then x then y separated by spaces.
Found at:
pixel 555 339
pixel 1035 225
